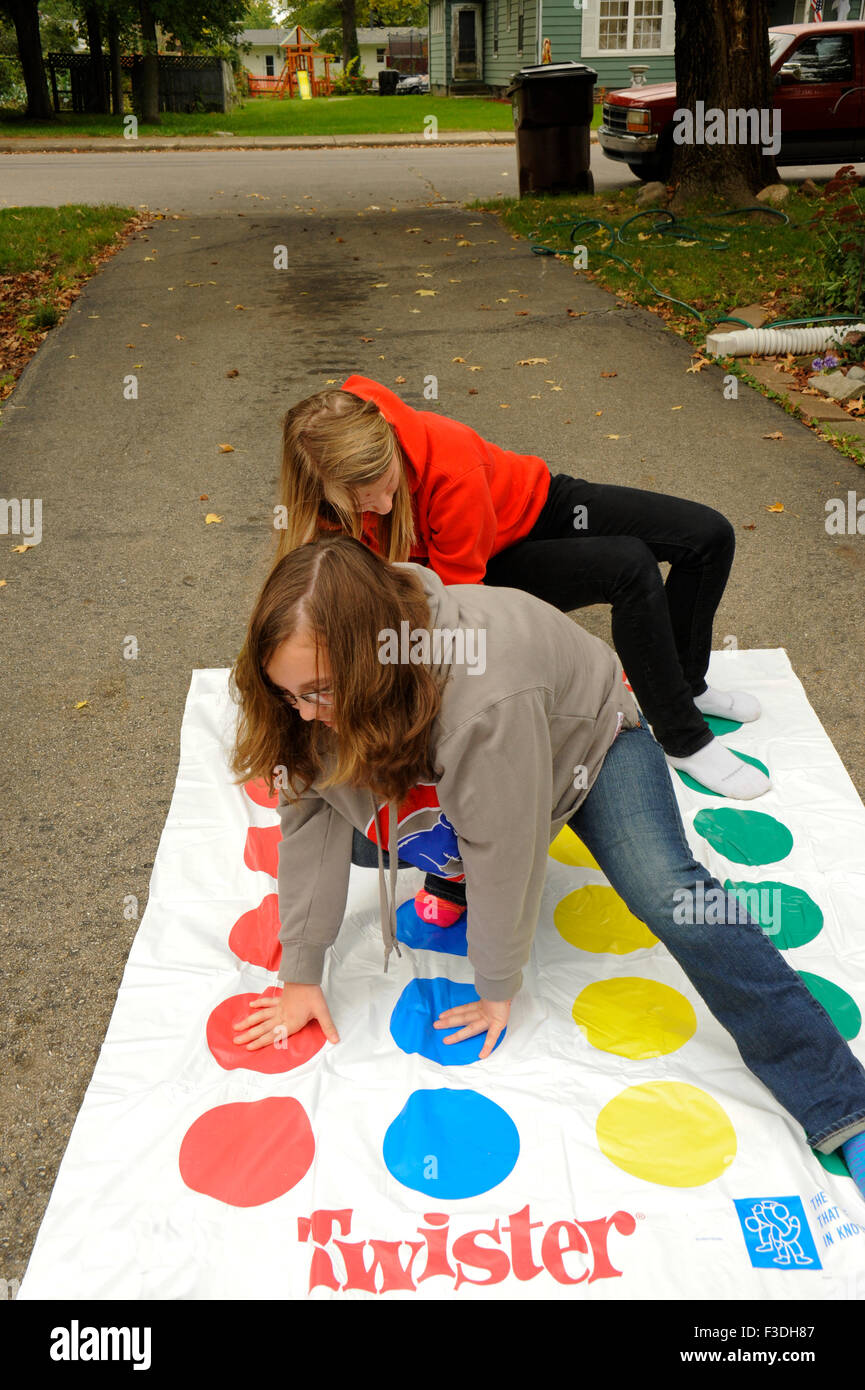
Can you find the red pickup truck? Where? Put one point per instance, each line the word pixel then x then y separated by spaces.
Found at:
pixel 819 76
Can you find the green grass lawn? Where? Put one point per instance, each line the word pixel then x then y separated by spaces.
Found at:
pixel 764 261
pixel 355 115
pixel 45 255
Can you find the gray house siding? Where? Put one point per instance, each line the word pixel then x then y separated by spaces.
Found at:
pixel 498 69
pixel 561 23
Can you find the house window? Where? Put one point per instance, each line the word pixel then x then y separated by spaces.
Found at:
pixel 509 13
pixel 628 27
pixel 380 55
pixel 437 17
pixel 496 6
pixel 630 24
pixel 521 24
pixel 268 64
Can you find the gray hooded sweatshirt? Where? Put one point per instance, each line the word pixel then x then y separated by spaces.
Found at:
pixel 530 706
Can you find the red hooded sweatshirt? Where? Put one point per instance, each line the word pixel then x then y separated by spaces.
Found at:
pixel 470 498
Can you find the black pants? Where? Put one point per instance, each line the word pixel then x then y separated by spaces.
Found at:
pixel 365 855
pixel 661 631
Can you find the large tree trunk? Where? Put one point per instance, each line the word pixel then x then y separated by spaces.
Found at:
pixel 25 16
pixel 113 26
pixel 150 66
pixel 722 61
pixel 97 61
pixel 349 32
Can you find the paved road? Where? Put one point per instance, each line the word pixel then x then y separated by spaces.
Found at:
pixel 213 181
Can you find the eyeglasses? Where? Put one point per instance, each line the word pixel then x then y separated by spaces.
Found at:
pixel 311 697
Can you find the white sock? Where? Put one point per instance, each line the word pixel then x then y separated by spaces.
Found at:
pixel 716 768
pixel 728 704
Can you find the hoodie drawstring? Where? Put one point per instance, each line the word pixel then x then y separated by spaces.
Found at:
pixel 387 905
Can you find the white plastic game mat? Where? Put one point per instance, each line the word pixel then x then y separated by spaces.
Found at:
pixel 613 1147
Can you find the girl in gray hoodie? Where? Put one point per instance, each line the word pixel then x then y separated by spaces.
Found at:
pixel 461 728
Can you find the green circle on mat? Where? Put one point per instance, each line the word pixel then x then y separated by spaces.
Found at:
pixel 721 726
pixel 744 837
pixel 698 786
pixel 843 1011
pixel 833 1163
pixel 788 915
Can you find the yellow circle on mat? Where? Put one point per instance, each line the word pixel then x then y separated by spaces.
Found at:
pixel 667 1132
pixel 568 848
pixel 594 918
pixel 634 1018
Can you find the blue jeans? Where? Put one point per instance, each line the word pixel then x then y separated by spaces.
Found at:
pixel 630 821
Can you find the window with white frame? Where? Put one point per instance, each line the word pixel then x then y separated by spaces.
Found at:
pixel 496 6
pixel 628 27
pixel 521 25
pixel 437 17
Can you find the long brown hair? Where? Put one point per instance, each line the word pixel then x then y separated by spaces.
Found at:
pixel 342 595
pixel 334 443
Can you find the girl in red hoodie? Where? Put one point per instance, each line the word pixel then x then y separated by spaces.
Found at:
pixel 417 485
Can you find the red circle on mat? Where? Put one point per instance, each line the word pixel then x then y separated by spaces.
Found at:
pixel 257 792
pixel 283 1055
pixel 249 1152
pixel 261 850
pixel 255 936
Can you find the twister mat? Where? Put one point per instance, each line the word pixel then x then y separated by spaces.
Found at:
pixel 613 1147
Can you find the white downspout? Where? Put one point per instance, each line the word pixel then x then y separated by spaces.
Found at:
pixel 540 28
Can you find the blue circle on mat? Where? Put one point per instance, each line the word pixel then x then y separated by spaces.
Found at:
pixel 412 930
pixel 451 1144
pixel 419 1005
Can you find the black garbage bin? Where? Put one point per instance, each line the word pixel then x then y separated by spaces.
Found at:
pixel 552 106
pixel 387 80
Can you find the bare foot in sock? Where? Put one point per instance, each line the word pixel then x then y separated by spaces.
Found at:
pixel 728 704
pixel 719 770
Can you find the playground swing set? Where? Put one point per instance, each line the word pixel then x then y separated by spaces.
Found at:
pixel 297 77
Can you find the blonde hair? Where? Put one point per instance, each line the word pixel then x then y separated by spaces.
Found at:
pixel 333 443
pixel 343 595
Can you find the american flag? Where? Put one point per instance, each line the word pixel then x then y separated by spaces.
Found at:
pixel 817 10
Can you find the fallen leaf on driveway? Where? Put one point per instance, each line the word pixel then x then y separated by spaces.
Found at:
pixel 233 372
pixel 749 526
pixel 211 517
pixel 400 380
pixel 427 292
pixel 532 361
pixel 19 549
pixel 776 507
pixel 226 448
pixel 614 436
pixel 775 435
pixel 609 373
pixel 458 359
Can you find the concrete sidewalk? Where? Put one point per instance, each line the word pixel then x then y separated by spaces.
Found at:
pixel 217 343
pixel 73 145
